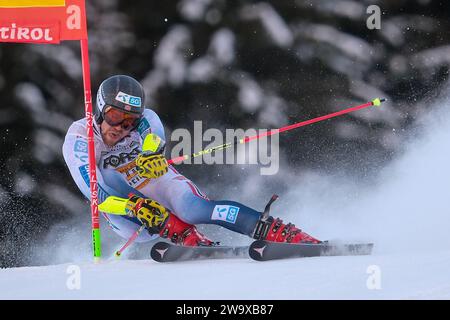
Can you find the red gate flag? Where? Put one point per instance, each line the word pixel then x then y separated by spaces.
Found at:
pixel 42 21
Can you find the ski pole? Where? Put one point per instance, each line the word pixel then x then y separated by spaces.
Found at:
pixel 119 252
pixel 118 206
pixel 375 102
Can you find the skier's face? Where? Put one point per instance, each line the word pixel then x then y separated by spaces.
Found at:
pixel 112 134
pixel 117 125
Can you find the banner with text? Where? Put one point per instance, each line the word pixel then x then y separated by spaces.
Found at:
pixel 42 21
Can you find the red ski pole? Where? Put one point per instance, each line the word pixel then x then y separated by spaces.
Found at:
pixel 119 252
pixel 375 102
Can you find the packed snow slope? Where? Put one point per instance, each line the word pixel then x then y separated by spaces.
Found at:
pixel 405 212
pixel 402 276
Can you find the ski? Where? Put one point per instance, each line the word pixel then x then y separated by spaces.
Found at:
pixel 167 252
pixel 261 250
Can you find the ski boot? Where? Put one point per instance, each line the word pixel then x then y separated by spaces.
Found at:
pixel 159 220
pixel 273 229
pixel 180 232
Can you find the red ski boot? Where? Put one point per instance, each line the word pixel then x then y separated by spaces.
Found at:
pixel 182 233
pixel 275 230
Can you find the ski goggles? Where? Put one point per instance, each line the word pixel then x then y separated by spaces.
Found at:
pixel 115 117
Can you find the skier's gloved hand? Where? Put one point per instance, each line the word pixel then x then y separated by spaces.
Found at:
pixel 151 163
pixel 149 212
pixel 152 166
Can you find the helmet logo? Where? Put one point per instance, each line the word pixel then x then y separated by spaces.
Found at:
pixel 129 99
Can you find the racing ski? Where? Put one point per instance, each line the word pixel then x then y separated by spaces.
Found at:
pixel 167 252
pixel 261 250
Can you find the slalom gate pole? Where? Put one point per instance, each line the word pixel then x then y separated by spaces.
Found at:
pixel 375 102
pixel 62 20
pixel 96 240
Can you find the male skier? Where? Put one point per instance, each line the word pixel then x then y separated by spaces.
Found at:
pixel 164 201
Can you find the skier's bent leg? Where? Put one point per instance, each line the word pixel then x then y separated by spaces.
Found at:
pixel 239 218
pixel 191 207
pixel 228 214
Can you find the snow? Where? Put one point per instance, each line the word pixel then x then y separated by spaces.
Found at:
pixel 202 70
pixel 342 8
pixel 222 46
pixel 274 26
pixel 193 10
pixel 403 276
pixel 171 54
pixel 250 94
pixel 432 58
pixel 350 45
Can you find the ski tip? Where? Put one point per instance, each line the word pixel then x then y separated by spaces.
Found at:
pixel 159 250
